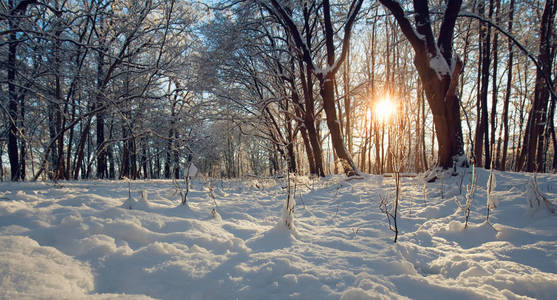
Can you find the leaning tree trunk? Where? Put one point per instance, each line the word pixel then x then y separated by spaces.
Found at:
pixel 328 96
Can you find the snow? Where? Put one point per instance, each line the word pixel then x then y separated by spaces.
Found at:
pixel 77 240
pixel 439 65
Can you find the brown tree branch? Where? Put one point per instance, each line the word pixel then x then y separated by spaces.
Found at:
pixel 444 41
pixel 405 25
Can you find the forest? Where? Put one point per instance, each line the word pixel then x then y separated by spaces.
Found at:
pixel 114 89
pixel 278 149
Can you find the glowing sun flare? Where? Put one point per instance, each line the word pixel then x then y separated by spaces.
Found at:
pixel 384 109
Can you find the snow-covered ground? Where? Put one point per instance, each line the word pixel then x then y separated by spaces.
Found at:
pixel 75 240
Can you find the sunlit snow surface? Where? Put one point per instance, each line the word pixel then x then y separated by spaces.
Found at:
pixel 76 240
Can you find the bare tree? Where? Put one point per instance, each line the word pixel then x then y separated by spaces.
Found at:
pixel 438 70
pixel 326 75
pixel 532 153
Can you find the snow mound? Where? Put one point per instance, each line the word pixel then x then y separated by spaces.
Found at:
pixel 29 270
pixel 140 202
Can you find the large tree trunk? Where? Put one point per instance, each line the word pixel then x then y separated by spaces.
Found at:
pixel 327 94
pixel 444 105
pixel 438 72
pixel 531 157
pixel 327 91
pixel 16 10
pixel 309 120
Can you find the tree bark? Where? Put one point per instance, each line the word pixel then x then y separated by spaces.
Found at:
pixel 309 118
pixel 505 113
pixel 347 102
pixel 101 150
pixel 495 55
pixel 13 154
pixel 531 157
pixel 438 72
pixel 482 130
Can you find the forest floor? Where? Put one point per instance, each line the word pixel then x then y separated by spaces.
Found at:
pixel 77 240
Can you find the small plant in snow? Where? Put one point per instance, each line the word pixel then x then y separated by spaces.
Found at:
pixel 469 194
pixel 536 199
pixel 128 203
pixel 141 203
pixel 214 212
pixel 391 213
pixel 492 201
pixel 182 190
pixel 287 212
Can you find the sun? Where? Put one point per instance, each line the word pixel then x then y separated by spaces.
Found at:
pixel 384 109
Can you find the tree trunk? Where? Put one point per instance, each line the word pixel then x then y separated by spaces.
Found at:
pixel 424 148
pixel 438 71
pixel 505 114
pixel 327 94
pixel 177 155
pixel 22 142
pixel 58 100
pixel 347 102
pixel 494 6
pixel 444 105
pixel 309 120
pixel 482 130
pixel 531 157
pixel 101 149
pixel 326 77
pixel 13 154
pixel 81 149
pixel 125 166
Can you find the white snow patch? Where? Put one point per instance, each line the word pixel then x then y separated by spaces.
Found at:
pixel 76 240
pixel 439 65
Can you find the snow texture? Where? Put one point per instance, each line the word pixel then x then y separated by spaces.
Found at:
pixel 76 240
pixel 439 65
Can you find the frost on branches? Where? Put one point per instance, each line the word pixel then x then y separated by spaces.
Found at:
pixel 536 200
